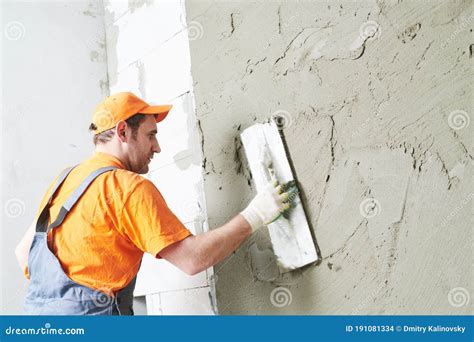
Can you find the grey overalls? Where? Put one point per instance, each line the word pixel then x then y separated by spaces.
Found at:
pixel 51 291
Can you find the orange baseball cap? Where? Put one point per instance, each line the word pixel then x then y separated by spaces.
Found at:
pixel 121 106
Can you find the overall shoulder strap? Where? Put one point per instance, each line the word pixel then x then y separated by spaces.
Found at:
pixel 44 216
pixel 72 200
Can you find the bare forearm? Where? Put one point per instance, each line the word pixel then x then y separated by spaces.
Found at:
pixel 23 247
pixel 194 254
pixel 217 244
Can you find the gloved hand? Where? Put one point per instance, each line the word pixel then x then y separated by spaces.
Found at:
pixel 266 206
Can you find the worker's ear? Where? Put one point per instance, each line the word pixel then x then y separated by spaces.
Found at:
pixel 121 131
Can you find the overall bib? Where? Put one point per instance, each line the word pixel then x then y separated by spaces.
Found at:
pixel 51 291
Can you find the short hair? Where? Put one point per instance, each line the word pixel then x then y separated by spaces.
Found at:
pixel 133 122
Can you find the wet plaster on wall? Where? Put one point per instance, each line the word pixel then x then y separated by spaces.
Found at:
pixel 386 180
pixel 141 78
pixel 111 36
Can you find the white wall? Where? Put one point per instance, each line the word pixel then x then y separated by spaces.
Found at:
pixel 56 68
pixel 148 54
pixel 53 75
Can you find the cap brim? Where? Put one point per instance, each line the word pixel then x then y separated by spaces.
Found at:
pixel 160 111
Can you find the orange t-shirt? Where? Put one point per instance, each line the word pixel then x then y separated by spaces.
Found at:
pixel 120 216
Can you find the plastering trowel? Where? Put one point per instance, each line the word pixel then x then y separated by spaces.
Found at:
pixel 290 233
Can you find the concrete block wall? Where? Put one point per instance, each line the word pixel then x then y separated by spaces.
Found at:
pixel 375 101
pixel 148 54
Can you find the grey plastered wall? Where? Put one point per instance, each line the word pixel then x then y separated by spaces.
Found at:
pixel 376 101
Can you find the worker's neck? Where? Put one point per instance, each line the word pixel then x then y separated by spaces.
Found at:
pixel 113 152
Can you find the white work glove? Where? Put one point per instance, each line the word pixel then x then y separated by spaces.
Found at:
pixel 266 206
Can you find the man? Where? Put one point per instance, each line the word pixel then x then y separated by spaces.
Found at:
pixel 107 216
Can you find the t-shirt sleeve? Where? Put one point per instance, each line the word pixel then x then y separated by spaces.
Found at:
pixel 149 223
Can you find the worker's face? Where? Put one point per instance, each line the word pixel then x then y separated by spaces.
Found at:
pixel 140 149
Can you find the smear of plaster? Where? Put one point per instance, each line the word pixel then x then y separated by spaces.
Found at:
pixel 141 78
pixel 409 33
pixel 94 56
pixel 110 45
pixel 104 86
pixel 91 11
pixel 133 5
pixel 329 42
